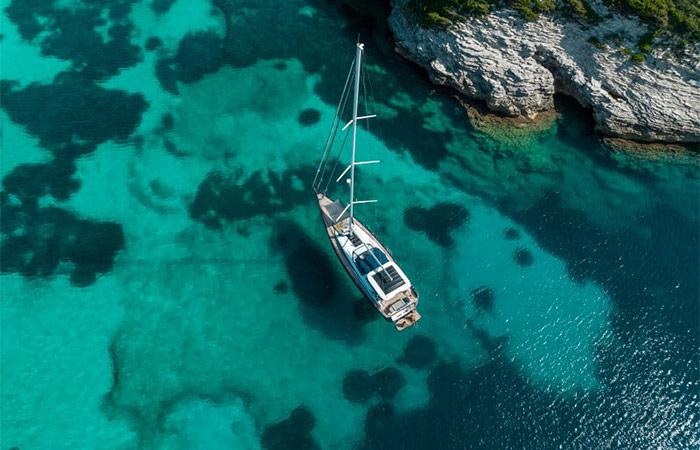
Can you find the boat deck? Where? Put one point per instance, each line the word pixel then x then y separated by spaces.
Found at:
pixel 389 308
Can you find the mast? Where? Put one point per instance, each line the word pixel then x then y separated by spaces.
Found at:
pixel 358 61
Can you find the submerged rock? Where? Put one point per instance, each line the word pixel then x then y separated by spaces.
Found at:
pixel 309 117
pixel 516 66
pixel 511 234
pixel 483 298
pixel 436 222
pixel 167 121
pixel 359 386
pixel 161 6
pixel 388 382
pixel 198 54
pixel 153 43
pixel 281 287
pixel 419 352
pixel 294 432
pixel 363 311
pixel 523 257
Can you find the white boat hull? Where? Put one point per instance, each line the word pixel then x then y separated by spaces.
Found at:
pixel 386 287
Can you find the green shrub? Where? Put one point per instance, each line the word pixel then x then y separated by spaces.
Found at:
pixel 625 51
pixel 528 14
pixel 525 9
pixel 583 10
pixel 595 41
pixel 680 17
pixel 443 12
pixel 478 9
pixel 435 19
pixel 644 43
pixel 545 6
pixel 638 58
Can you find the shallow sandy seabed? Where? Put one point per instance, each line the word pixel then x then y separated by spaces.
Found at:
pixel 200 336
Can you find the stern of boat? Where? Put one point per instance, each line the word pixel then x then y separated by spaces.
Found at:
pixel 407 321
pixel 401 309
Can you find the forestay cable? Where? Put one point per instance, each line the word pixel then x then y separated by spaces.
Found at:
pixel 320 172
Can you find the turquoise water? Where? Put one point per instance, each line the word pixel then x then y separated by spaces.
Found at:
pixel 166 282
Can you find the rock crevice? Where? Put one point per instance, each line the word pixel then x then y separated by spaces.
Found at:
pixel 516 67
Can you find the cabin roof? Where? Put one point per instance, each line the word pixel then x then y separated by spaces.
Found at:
pixel 388 279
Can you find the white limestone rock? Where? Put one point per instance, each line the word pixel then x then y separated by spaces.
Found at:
pixel 516 66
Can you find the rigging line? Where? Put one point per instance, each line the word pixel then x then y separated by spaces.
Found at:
pixel 336 117
pixel 337 157
pixel 324 160
pixel 331 137
pixel 335 165
pixel 334 129
pixel 364 93
pixel 337 114
pixel 322 164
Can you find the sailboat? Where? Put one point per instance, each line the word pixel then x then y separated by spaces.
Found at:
pixel 369 264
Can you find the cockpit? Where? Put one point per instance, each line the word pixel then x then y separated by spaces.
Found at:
pixel 370 260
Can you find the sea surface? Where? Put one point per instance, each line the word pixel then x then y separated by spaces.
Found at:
pixel 167 283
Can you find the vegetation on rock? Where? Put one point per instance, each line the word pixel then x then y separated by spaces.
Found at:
pixel 644 43
pixel 625 51
pixel 595 41
pixel 678 17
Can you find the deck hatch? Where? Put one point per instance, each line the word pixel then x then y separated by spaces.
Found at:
pixel 387 283
pixel 356 242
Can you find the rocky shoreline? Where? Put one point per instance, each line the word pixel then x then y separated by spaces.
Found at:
pixel 516 66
